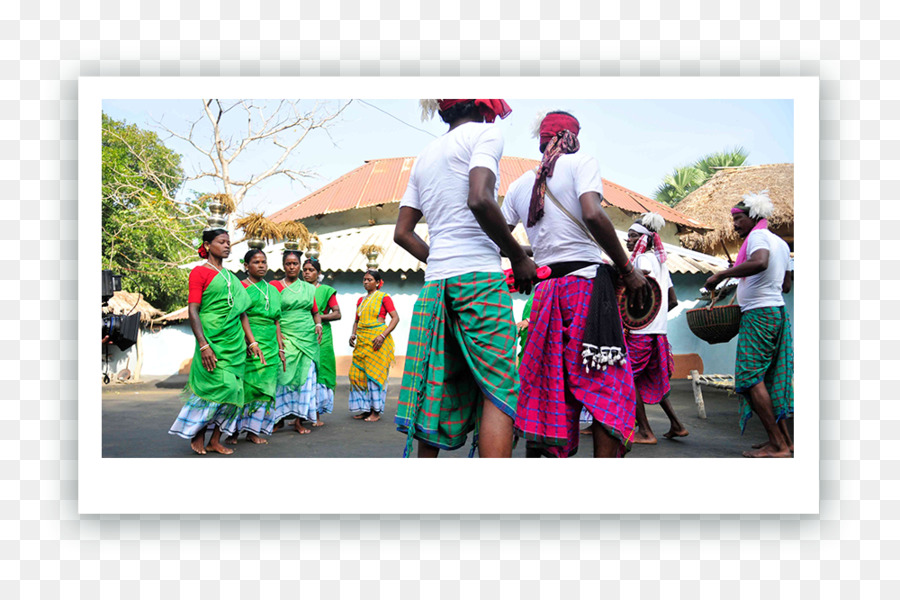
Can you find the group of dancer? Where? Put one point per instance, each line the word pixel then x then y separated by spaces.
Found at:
pixel 579 364
pixel 264 351
pixel 460 374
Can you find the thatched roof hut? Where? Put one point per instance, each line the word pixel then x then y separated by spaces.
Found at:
pixel 711 204
pixel 123 303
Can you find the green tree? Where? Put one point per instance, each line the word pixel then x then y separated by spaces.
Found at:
pixel 684 180
pixel 146 232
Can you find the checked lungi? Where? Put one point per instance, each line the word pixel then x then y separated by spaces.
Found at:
pixel 652 363
pixel 462 348
pixel 554 384
pixel 765 352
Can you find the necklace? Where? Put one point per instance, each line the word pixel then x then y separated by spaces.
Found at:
pixel 227 283
pixel 266 294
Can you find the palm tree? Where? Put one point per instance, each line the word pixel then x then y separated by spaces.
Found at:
pixel 685 180
pixel 679 184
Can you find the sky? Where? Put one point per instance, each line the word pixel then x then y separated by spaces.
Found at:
pixel 637 142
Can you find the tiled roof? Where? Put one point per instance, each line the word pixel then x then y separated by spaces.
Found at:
pixel 383 181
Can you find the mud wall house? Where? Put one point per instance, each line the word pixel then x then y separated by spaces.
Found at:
pixel 129 365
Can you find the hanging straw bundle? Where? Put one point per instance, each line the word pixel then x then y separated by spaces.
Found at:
pixel 224 199
pixel 255 225
pixel 296 231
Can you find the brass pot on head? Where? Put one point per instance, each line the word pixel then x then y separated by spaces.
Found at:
pixel 313 251
pixel 373 260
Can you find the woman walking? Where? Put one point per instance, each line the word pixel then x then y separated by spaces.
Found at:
pixel 326 302
pixel 216 311
pixel 301 331
pixel 373 349
pixel 260 378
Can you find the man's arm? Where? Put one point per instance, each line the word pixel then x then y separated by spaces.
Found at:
pixel 757 263
pixel 788 282
pixel 487 212
pixel 603 231
pixel 405 234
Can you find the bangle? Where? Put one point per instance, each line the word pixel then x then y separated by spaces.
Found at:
pixel 251 344
pixel 629 271
pixel 281 349
pixel 202 348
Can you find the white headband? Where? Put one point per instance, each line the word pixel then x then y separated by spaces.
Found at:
pixel 640 229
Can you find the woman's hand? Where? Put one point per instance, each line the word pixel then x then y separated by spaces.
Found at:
pixel 281 355
pixel 378 342
pixel 208 358
pixel 319 332
pixel 522 325
pixel 353 341
pixel 253 350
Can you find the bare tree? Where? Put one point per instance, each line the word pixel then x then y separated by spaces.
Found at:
pixel 285 126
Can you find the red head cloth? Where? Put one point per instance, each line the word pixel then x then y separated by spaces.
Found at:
pixel 559 135
pixel 554 123
pixel 491 109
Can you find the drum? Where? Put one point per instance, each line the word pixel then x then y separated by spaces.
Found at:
pixel 633 316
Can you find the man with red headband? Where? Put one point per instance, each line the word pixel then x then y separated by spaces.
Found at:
pixel 764 366
pixel 462 346
pixel 575 355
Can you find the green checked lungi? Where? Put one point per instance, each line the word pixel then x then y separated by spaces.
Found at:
pixel 765 352
pixel 462 348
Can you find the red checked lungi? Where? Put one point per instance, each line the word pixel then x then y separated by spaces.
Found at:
pixel 554 384
pixel 651 361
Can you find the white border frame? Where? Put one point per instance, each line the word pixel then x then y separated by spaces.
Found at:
pixel 722 485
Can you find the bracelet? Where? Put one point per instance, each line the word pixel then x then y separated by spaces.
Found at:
pixel 628 272
pixel 251 344
pixel 281 349
pixel 318 324
pixel 202 348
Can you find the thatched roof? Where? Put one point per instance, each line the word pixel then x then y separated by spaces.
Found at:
pixel 711 203
pixel 122 303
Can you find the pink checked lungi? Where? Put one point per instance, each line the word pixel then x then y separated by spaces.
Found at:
pixel 554 384
pixel 651 361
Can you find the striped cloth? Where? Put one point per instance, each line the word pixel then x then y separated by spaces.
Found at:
pixel 555 385
pixel 293 403
pixel 652 364
pixel 371 399
pixel 199 415
pixel 462 348
pixel 765 352
pixel 252 418
pixel 324 398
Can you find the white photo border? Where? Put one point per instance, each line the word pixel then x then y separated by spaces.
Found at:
pixel 398 486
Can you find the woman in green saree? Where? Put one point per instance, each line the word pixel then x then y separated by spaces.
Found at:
pixel 260 378
pixel 216 311
pixel 301 331
pixel 326 302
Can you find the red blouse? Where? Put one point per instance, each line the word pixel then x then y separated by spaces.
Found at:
pixel 198 281
pixel 387 305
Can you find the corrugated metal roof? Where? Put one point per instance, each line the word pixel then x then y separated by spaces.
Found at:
pixel 340 252
pixel 383 181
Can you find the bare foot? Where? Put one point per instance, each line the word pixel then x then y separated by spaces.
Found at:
pixel 766 445
pixel 768 451
pixel 232 440
pixel 300 428
pixel 362 415
pixel 674 433
pixel 253 438
pixel 642 438
pixel 373 417
pixel 319 423
pixel 217 447
pixel 197 443
pixel 278 426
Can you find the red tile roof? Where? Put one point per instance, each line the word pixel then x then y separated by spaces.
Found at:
pixel 383 181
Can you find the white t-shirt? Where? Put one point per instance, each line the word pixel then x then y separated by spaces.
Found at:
pixel 764 289
pixel 648 262
pixel 439 188
pixel 555 238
